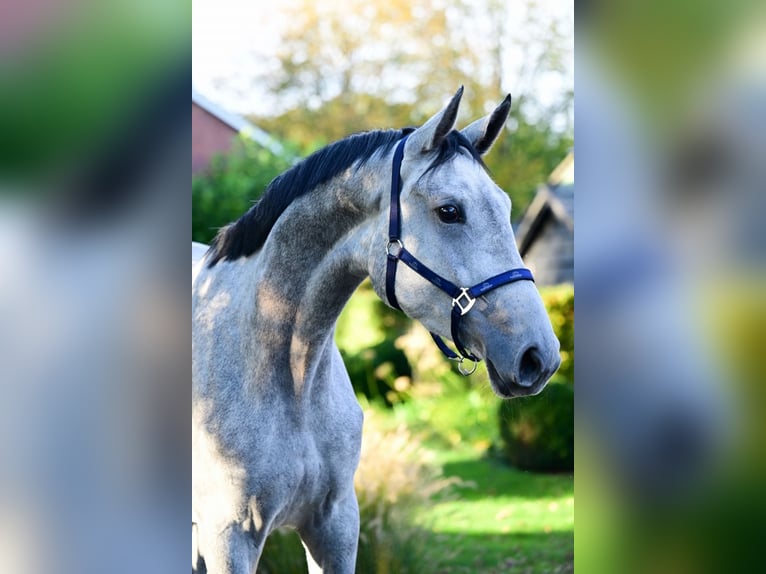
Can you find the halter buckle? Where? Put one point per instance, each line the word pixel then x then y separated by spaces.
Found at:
pixel 464 301
pixel 397 243
pixel 466 372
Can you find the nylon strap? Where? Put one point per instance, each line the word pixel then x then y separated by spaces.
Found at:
pixel 394 223
pixel 426 273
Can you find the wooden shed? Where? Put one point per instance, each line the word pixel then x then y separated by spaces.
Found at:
pixel 545 233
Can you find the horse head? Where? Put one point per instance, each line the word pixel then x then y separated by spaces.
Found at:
pixel 456 223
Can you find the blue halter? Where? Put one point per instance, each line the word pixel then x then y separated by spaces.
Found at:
pixel 463 298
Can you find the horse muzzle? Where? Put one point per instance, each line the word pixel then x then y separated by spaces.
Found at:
pixel 525 374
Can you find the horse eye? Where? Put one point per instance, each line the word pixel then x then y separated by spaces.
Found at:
pixel 450 214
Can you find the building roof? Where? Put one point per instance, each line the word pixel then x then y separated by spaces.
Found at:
pixel 238 123
pixel 554 199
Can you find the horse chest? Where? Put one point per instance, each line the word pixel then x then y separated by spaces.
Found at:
pixel 325 450
pixel 313 475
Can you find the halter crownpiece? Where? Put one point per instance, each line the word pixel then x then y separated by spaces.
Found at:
pixel 463 298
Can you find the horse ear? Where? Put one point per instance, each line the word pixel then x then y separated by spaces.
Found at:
pixel 431 134
pixel 483 133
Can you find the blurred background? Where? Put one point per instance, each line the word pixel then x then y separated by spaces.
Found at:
pixel 94 215
pixel 671 102
pixel 451 479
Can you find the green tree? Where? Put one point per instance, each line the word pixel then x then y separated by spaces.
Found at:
pixel 525 157
pixel 403 51
pixel 355 65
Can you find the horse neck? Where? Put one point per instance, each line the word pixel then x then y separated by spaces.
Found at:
pixel 313 260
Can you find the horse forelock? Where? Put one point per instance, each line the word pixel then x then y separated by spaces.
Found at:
pixel 450 147
pixel 247 235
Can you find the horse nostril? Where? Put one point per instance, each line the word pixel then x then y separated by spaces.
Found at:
pixel 530 367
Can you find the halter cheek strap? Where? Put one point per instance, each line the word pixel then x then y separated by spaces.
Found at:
pixel 463 298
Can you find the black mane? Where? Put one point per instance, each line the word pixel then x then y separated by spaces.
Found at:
pixel 246 235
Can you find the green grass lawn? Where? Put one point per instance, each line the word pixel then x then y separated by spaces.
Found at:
pixel 506 520
pixel 503 519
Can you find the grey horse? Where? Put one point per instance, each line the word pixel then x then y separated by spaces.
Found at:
pixel 276 427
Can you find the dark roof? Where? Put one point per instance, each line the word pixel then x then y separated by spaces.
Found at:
pixel 237 123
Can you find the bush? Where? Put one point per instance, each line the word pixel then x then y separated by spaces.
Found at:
pixel 538 432
pixel 230 186
pixel 367 334
pixel 381 373
pixel 396 479
pixel 559 301
pixel 283 554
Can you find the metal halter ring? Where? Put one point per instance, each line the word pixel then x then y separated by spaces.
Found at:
pixel 463 371
pixel 399 245
pixel 464 308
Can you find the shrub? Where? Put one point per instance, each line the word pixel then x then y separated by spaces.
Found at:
pixel 396 478
pixel 538 432
pixel 367 334
pixel 231 184
pixel 559 301
pixel 283 554
pixel 381 373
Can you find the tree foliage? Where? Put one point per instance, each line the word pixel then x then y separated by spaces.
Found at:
pixel 230 186
pixel 346 66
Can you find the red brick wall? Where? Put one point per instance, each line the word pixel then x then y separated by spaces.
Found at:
pixel 209 137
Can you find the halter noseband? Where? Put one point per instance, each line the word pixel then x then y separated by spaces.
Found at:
pixel 463 298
